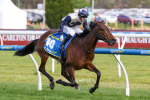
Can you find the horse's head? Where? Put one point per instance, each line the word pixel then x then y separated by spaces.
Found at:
pixel 103 33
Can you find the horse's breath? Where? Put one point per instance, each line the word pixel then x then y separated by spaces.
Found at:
pixel 79 54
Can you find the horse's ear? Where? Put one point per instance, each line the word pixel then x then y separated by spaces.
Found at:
pixel 92 24
pixel 100 21
pixel 97 22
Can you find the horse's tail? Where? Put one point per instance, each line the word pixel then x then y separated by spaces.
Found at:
pixel 27 49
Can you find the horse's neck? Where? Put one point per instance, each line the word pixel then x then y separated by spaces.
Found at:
pixel 90 41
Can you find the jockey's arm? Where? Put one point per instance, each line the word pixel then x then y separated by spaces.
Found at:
pixel 85 26
pixel 63 23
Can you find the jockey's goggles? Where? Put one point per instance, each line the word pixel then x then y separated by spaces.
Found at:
pixel 84 16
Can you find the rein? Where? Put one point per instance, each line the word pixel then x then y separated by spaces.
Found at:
pixel 84 47
pixel 101 38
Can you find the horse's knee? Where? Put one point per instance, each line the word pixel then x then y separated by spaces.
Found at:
pixel 41 70
pixel 63 73
pixel 98 73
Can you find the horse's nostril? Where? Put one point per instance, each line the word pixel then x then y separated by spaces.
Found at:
pixel 114 41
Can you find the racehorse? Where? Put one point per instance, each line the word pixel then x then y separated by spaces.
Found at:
pixel 79 54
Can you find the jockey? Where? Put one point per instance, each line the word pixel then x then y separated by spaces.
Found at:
pixel 70 25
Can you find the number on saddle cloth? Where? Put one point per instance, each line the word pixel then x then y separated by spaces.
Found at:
pixel 53 42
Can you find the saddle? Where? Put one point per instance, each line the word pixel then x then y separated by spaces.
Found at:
pixel 53 43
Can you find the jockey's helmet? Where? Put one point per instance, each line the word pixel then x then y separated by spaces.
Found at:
pixel 83 13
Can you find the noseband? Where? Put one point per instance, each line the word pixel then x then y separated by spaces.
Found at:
pixel 101 38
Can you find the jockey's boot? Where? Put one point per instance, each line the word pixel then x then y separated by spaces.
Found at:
pixel 64 42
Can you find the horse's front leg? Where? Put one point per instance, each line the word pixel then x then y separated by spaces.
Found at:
pixel 91 67
pixel 64 72
pixel 43 71
pixel 71 72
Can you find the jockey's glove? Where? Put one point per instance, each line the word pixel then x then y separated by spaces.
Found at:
pixel 61 38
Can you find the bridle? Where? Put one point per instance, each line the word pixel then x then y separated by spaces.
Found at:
pixel 101 38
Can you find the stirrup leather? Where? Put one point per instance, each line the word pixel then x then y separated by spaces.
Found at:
pixel 62 47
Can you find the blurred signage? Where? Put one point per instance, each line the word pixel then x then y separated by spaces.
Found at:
pixel 89 9
pixel 18 39
pixel 26 39
pixel 130 43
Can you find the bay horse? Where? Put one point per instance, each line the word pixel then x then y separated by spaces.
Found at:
pixel 79 54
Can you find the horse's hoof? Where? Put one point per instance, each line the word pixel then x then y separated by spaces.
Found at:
pixel 91 90
pixel 59 81
pixel 52 85
pixel 77 87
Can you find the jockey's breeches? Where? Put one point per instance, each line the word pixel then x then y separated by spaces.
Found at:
pixel 72 30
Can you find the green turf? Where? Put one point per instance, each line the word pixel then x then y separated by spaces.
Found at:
pixel 18 79
pixel 22 91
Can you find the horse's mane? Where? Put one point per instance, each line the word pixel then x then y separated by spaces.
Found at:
pixel 85 32
pixel 92 25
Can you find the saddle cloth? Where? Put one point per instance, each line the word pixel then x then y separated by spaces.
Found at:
pixel 53 42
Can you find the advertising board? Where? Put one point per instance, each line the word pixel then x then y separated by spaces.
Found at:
pixel 131 42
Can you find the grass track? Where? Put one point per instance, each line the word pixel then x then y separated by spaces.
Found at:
pixel 22 91
pixel 18 79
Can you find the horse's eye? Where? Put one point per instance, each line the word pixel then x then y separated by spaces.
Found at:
pixel 102 30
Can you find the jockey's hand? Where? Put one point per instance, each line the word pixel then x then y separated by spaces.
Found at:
pixel 61 38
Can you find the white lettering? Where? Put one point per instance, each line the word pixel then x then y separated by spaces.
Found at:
pixel 148 40
pixel 144 40
pixel 4 37
pixel 16 37
pixel 20 38
pixel 33 37
pixel 29 37
pixel 133 40
pixel 13 37
pixel 139 40
pixel 9 37
pixel 145 52
pixel 128 40
pixel 50 43
pixel 24 38
pixel 37 36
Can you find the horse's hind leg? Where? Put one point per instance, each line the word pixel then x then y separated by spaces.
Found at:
pixel 43 71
